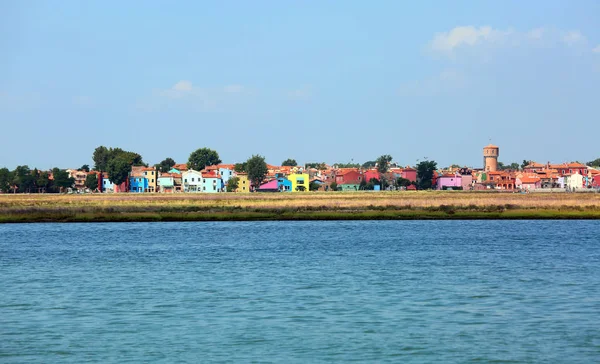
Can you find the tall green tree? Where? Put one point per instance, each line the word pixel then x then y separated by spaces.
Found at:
pixel 202 158
pixel 85 168
pixel 257 170
pixel 24 179
pixel 6 179
pixel 91 181
pixel 43 181
pixel 383 166
pixel 525 163
pixel 289 163
pixel 118 169
pixel 101 157
pixel 165 165
pixel 62 179
pixel 425 170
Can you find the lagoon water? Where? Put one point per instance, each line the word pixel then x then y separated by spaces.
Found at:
pixel 367 291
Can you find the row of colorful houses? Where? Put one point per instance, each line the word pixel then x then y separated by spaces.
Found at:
pixel 567 176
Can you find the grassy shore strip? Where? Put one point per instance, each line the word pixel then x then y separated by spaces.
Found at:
pixel 300 206
pixel 518 214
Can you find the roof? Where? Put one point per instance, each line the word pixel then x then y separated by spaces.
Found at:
pixel 181 167
pixel 491 146
pixel 269 185
pixel 210 175
pixel 530 180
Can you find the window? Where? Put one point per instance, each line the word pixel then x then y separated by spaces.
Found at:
pixel 204 188
pixel 145 173
pixel 152 180
pixel 185 180
pixel 192 179
pixel 214 188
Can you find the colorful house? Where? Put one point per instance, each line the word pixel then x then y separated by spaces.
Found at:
pixel 449 182
pixel 299 182
pixel 528 183
pixel 211 182
pixel 151 176
pixel 191 181
pixel 348 180
pixel 138 184
pixel 573 181
pixel 166 182
pixel 243 182
pixel 271 186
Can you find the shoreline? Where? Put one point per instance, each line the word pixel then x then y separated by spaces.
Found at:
pixel 297 207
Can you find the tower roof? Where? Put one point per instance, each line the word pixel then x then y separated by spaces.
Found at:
pixel 491 146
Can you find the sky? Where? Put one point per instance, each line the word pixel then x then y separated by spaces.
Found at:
pixel 335 81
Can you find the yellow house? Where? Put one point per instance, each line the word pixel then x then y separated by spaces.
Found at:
pixel 243 183
pixel 300 182
pixel 152 177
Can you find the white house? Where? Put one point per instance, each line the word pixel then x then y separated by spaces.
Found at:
pixel 192 181
pixel 573 181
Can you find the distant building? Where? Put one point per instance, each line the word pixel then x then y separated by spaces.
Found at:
pixel 490 158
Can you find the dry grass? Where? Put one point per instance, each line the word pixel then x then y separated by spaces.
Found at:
pixel 42 207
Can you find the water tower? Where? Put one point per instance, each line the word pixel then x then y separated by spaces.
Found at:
pixel 490 158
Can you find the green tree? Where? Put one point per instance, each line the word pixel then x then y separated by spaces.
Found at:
pixel 320 166
pixel 202 158
pixel 43 181
pixel 118 169
pixel 594 163
pixel 403 182
pixel 257 170
pixel 333 186
pixel 425 171
pixel 165 165
pixel 525 163
pixel 62 179
pixel 85 168
pixel 383 166
pixel 369 164
pixel 240 167
pixel 289 163
pixel 91 181
pixel 101 157
pixel 6 179
pixel 347 165
pixel 233 184
pixel 313 186
pixel 24 179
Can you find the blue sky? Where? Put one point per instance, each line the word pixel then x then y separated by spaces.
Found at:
pixel 335 81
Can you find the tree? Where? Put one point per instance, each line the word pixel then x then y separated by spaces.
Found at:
pixel 383 166
pixel 100 157
pixel 525 163
pixel 91 181
pixel 233 184
pixel 289 163
pixel 118 169
pixel 23 178
pixel 85 168
pixel 6 178
pixel 257 170
pixel 201 158
pixel 594 163
pixel 403 182
pixel 313 186
pixel 165 165
pixel 43 181
pixel 347 165
pixel 333 186
pixel 240 167
pixel 425 171
pixel 369 164
pixel 320 166
pixel 62 179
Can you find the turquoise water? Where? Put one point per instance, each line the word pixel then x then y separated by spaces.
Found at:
pixel 367 291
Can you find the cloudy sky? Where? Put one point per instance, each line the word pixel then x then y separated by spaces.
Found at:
pixel 335 81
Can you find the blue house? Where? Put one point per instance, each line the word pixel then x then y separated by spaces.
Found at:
pixel 138 184
pixel 284 184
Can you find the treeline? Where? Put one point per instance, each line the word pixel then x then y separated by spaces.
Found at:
pixel 25 180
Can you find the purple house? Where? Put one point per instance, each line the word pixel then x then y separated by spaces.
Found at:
pixel 271 186
pixel 449 182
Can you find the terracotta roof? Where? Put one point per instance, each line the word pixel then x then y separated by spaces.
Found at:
pixel 181 167
pixel 491 146
pixel 529 180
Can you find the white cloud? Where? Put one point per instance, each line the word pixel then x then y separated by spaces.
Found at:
pixel 466 36
pixel 233 88
pixel 573 37
pixel 536 33
pixel 183 85
pixel 597 49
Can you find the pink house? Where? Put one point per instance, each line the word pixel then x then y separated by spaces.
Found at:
pixel 528 183
pixel 449 181
pixel 371 174
pixel 410 174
